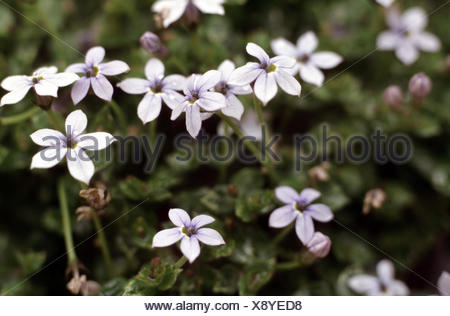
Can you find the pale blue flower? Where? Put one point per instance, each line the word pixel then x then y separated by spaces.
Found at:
pixel 299 208
pixel 190 232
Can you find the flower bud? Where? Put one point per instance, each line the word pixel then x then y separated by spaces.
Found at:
pixel 84 213
pixel 319 245
pixel 97 198
pixel 152 44
pixel 420 86
pixel 374 198
pixel 393 96
pixel 319 173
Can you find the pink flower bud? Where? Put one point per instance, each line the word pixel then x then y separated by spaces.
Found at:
pixel 393 96
pixel 420 86
pixel 319 246
pixel 152 44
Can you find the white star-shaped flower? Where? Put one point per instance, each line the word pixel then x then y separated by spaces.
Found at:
pixel 406 35
pixel 45 82
pixel 309 63
pixel 72 146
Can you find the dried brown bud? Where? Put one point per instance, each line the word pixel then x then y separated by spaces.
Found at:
pixel 84 213
pixel 319 245
pixel 393 96
pixel 90 288
pixel 374 198
pixel 319 173
pixel 76 283
pixel 97 198
pixel 420 86
pixel 152 44
pixel 44 102
pixel 232 190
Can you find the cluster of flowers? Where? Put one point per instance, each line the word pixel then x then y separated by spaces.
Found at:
pixel 199 96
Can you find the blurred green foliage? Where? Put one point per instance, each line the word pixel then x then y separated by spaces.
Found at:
pixel 412 226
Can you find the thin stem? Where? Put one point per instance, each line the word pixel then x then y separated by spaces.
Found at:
pixel 288 265
pixel 103 242
pixel 57 124
pixel 281 235
pixel 119 114
pixel 14 119
pixel 258 107
pixel 180 262
pixel 72 256
pixel 152 131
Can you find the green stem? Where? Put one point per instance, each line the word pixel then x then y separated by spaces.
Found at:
pixel 282 235
pixel 252 147
pixel 14 119
pixel 258 107
pixel 72 256
pixel 119 114
pixel 288 265
pixel 180 262
pixel 152 130
pixel 57 123
pixel 103 242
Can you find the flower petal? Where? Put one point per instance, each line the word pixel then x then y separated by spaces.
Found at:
pixel 48 157
pixel 45 71
pixel 193 120
pixel 284 62
pixel 94 56
pixel 308 195
pixel 326 60
pixel 167 237
pixel 170 10
pixel 180 108
pixel 46 88
pixel 311 74
pixel 15 96
pixel 95 141
pixel 210 6
pixel 385 271
pixel 444 283
pixel 387 40
pixel 172 99
pixel 179 217
pixel 154 69
pixel 76 123
pixel 62 79
pixel 209 237
pixel 286 194
pixel 80 165
pixel 280 46
pixel 80 90
pixel 211 101
pixel 102 88
pixel 407 53
pixel 226 68
pixel 149 108
pixel 240 90
pixel 245 74
pixel 320 212
pixel 427 42
pixel 76 68
pixel 304 227
pixel 201 220
pixel 208 80
pixel 134 85
pixel 287 82
pixel 174 82
pixel 190 248
pixel 258 52
pixel 48 137
pixel 307 43
pixel 15 82
pixel 363 283
pixel 414 19
pixel 234 107
pixel 113 68
pixel 265 87
pixel 282 216
pixel 397 288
